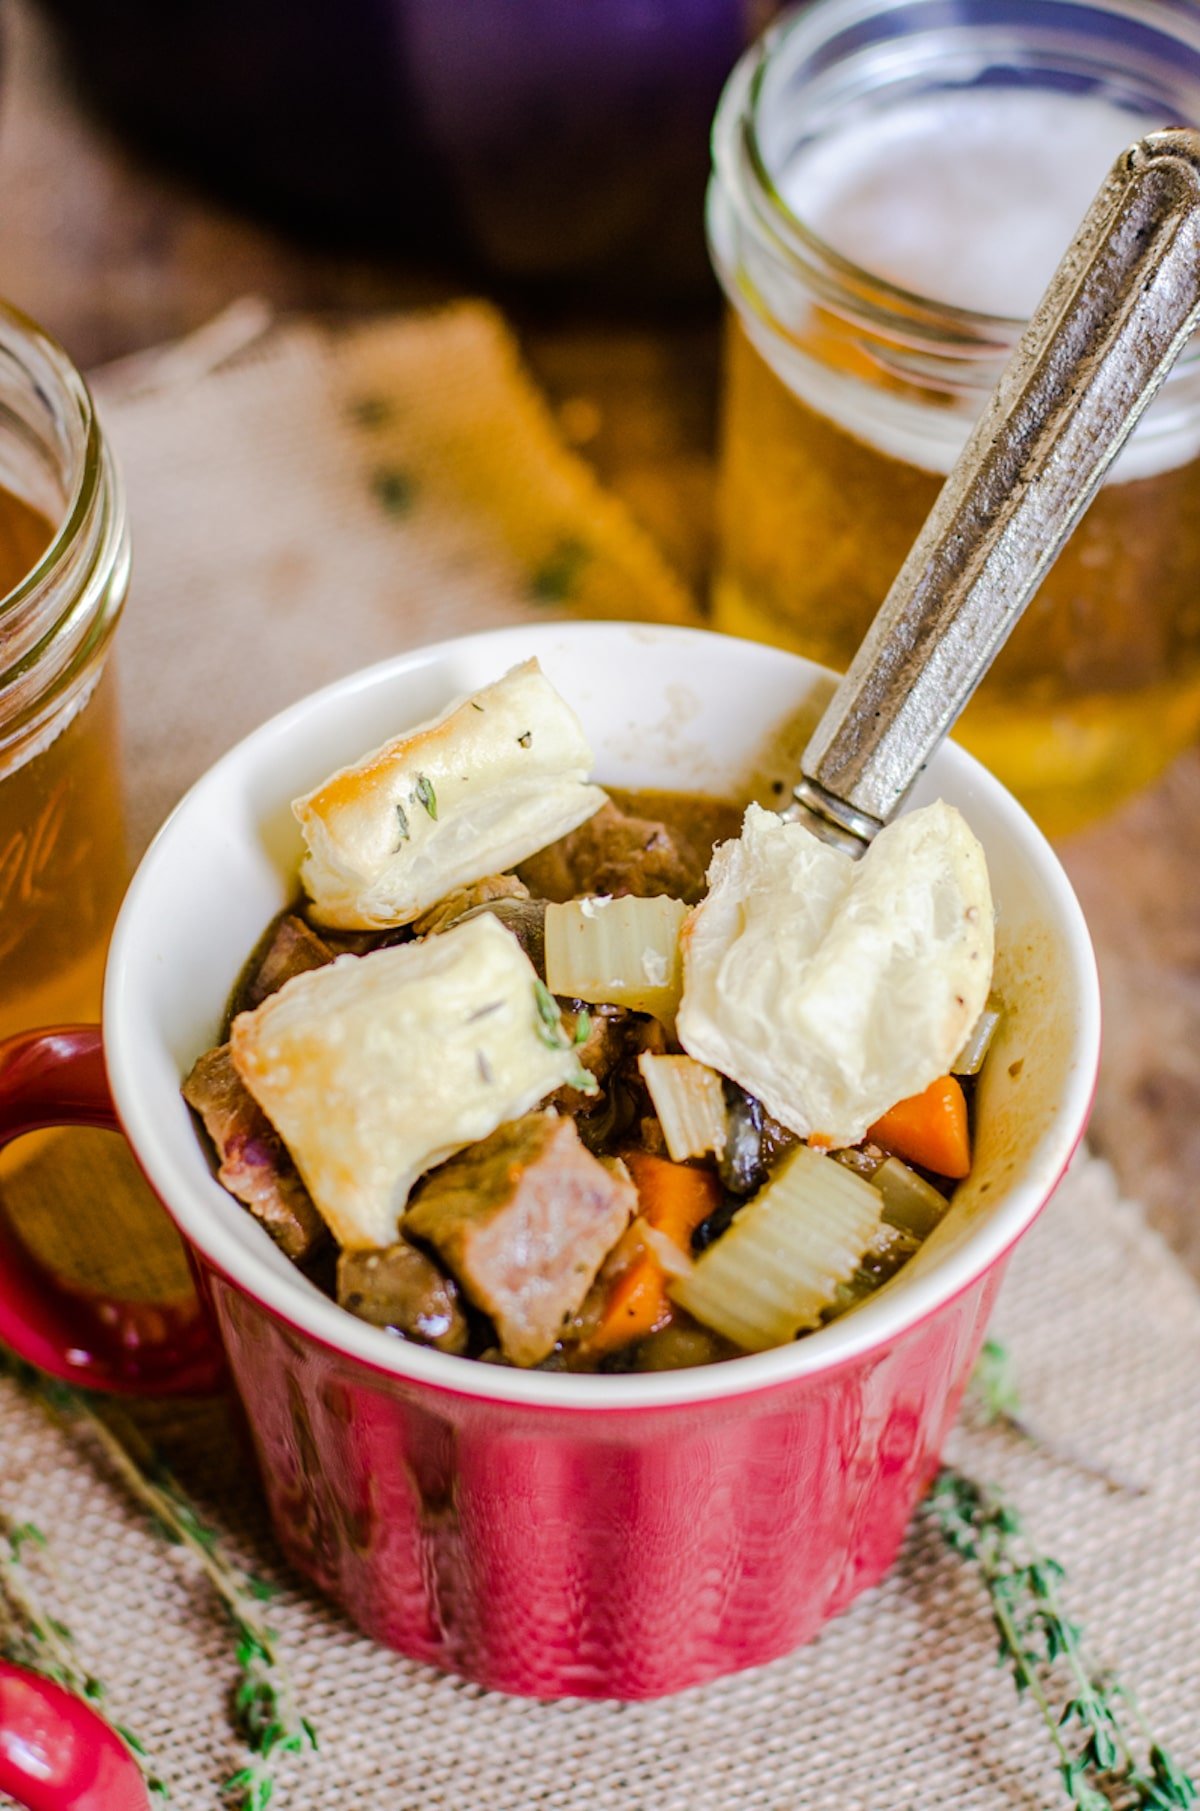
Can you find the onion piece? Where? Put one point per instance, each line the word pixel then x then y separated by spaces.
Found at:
pixel 910 1204
pixel 671 1260
pixel 887 1254
pixel 969 1060
pixel 689 1099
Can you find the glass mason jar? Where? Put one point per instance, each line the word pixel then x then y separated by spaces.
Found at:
pixel 64 572
pixel 894 182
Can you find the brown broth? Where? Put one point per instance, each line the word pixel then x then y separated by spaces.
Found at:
pixel 703 821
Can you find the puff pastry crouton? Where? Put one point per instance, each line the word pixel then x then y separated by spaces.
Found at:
pixel 831 988
pixel 378 1067
pixel 471 793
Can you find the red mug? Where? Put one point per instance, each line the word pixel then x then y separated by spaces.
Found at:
pixel 606 1536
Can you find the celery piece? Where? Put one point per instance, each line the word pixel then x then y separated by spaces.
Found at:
pixel 886 1255
pixel 969 1060
pixel 778 1267
pixel 617 952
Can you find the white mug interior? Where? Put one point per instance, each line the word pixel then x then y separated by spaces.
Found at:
pixel 663 708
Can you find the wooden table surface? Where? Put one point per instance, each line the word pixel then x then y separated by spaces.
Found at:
pixel 114 256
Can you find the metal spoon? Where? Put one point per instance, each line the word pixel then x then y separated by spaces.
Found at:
pixel 1119 311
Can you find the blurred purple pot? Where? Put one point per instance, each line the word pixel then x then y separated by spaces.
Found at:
pixel 553 141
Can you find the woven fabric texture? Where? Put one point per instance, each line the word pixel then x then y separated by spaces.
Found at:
pixel 898 1706
pixel 320 502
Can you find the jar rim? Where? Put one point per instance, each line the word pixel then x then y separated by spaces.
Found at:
pixel 880 302
pixel 56 623
pixel 87 479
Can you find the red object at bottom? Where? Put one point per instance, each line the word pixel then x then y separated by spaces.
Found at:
pixel 56 1754
pixel 619 1554
pixel 535 1548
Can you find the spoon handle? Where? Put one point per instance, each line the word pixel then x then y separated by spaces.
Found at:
pixel 1119 310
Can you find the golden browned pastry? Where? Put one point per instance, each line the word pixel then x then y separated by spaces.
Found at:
pixel 495 778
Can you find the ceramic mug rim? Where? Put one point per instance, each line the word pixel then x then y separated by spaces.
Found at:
pixel 184 1183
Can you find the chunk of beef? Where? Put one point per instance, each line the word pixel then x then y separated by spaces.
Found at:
pixel 361 943
pixel 293 950
pixel 290 947
pixel 616 853
pixel 524 1220
pixel 254 1163
pixel 401 1289
pixel 464 899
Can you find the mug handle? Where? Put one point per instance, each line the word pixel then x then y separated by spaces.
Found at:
pixel 56 1754
pixel 56 1077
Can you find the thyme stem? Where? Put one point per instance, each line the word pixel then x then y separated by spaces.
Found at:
pixel 264 1708
pixel 994 1388
pixel 1100 1767
pixel 33 1637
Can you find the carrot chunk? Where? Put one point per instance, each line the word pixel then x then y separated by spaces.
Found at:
pixel 637 1305
pixel 929 1129
pixel 672 1197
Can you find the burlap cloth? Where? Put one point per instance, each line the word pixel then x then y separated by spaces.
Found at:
pixel 298 513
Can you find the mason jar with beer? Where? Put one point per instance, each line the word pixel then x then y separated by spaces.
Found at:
pixel 894 183
pixel 64 572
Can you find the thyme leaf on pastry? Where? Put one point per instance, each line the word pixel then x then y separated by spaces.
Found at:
pixel 550 1027
pixel 425 795
pixel 553 1033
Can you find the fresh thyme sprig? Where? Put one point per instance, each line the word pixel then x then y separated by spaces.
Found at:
pixel 264 1708
pixel 266 1714
pixel 31 1636
pixel 1098 1755
pixel 994 1385
pixel 548 1023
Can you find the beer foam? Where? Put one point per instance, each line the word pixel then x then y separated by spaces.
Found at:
pixel 968 197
